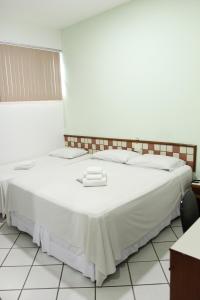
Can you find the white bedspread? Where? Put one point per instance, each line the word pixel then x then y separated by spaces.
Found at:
pixel 43 163
pixel 98 221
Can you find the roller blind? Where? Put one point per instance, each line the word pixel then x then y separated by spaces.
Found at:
pixel 29 74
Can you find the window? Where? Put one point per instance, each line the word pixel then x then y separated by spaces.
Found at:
pixel 29 74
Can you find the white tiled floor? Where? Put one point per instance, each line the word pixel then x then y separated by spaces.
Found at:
pixel 20 257
pixel 44 277
pixel 73 278
pixel 43 259
pixel 149 272
pixel 162 249
pixel 154 292
pixel 26 273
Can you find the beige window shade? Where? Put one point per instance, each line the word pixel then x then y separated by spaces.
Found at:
pixel 29 74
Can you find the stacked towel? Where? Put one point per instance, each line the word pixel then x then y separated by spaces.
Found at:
pixel 25 165
pixel 94 176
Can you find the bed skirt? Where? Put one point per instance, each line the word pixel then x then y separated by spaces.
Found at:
pixel 54 246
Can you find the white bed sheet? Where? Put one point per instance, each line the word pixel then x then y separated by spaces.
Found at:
pixel 44 163
pixel 98 222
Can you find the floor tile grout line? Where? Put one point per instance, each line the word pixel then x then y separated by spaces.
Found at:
pixel 19 247
pixel 11 233
pixel 175 233
pixel 122 285
pixel 156 242
pixel 14 228
pixel 105 286
pixel 7 290
pixel 9 250
pixel 137 261
pixel 147 284
pixel 143 261
pixel 63 288
pixel 81 287
pixel 46 265
pixel 60 280
pixel 28 274
pixel 12 248
pixel 131 281
pixel 160 264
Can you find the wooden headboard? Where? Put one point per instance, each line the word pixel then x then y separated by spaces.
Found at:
pixel 185 152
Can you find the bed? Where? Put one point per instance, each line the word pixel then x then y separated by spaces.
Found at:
pixel 44 163
pixel 94 229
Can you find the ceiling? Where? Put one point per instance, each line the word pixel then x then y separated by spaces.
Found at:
pixel 56 14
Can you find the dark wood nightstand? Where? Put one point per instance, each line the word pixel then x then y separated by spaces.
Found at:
pixel 196 189
pixel 185 265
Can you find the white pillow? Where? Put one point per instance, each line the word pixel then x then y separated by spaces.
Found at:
pixel 115 155
pixel 161 162
pixel 68 152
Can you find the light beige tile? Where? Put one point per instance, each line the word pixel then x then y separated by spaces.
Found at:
pixel 163 148
pixel 1 224
pixel 45 259
pixel 147 273
pixel 3 253
pixel 178 231
pixel 176 222
pixel 183 150
pixel 189 157
pixel 13 277
pixel 165 265
pixel 6 241
pixel 44 277
pixel 162 249
pixel 145 146
pixel 5 229
pixel 120 277
pixel 24 240
pixel 190 150
pixel 45 294
pixel 9 295
pixel 74 278
pixel 169 148
pixel 77 294
pixel 20 257
pixel 114 293
pixel 166 235
pixel 145 253
pixel 157 147
pixel 152 292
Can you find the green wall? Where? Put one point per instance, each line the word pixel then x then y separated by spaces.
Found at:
pixel 134 72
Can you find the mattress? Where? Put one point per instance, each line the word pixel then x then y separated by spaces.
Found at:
pixel 98 223
pixel 44 163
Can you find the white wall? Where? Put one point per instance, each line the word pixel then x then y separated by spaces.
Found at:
pixel 30 129
pixel 135 72
pixel 29 35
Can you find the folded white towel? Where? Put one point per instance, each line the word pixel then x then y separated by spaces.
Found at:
pixel 88 183
pixel 93 176
pixel 25 165
pixel 98 173
pixel 94 170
